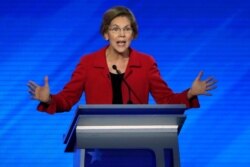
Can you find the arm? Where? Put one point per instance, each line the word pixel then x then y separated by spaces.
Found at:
pixel 65 99
pixel 164 95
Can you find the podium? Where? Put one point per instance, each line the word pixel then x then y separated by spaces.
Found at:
pixel 154 127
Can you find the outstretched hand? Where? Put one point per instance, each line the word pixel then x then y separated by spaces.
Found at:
pixel 201 87
pixel 41 93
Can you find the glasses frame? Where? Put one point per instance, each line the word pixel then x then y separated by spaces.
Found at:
pixel 118 30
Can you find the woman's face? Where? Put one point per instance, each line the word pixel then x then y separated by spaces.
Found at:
pixel 119 34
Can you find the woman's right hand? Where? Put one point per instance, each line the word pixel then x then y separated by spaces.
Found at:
pixel 41 93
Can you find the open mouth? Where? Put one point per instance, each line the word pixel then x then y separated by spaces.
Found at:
pixel 121 43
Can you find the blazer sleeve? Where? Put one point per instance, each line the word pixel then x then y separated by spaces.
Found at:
pixel 69 95
pixel 163 94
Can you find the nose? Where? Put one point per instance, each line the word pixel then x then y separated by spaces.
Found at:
pixel 122 32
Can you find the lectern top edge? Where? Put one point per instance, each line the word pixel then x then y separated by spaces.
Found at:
pixel 135 109
pixel 131 106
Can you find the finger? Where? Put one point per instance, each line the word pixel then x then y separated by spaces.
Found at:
pixel 211 87
pixel 46 81
pixel 209 79
pixel 31 92
pixel 207 94
pixel 33 84
pixel 34 98
pixel 211 83
pixel 31 87
pixel 32 95
pixel 199 75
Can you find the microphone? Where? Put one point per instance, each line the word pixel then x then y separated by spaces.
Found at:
pixel 115 68
pixel 126 83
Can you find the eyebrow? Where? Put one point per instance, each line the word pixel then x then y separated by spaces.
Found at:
pixel 115 25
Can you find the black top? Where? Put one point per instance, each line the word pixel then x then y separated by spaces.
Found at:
pixel 116 80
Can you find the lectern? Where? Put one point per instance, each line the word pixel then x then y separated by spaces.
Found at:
pixel 154 127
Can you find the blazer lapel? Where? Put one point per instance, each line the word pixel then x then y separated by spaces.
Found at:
pixel 134 62
pixel 100 62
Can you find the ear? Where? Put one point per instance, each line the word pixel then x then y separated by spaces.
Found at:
pixel 133 36
pixel 106 36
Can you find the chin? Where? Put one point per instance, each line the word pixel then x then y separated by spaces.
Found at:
pixel 121 50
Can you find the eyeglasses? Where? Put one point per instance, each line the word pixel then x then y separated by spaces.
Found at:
pixel 118 30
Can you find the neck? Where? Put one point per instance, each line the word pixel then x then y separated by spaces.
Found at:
pixel 118 59
pixel 113 55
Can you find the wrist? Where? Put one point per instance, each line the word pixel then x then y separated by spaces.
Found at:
pixel 48 101
pixel 190 94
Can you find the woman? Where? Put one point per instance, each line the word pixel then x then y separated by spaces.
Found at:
pixel 117 74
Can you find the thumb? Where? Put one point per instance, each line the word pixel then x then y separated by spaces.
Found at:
pixel 46 81
pixel 199 75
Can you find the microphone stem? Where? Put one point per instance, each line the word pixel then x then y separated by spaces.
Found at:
pixel 129 89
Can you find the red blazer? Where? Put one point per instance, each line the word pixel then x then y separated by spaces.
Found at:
pixel 92 77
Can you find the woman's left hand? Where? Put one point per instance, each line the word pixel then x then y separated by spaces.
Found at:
pixel 201 87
